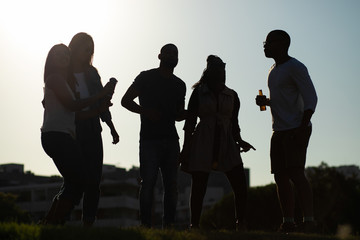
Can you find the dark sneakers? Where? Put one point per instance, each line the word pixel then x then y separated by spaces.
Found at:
pixel 287 227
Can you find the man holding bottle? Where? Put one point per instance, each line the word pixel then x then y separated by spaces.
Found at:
pixel 292 101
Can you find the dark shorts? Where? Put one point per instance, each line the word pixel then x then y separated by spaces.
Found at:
pixel 288 149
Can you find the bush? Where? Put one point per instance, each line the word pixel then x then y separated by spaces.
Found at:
pixel 9 211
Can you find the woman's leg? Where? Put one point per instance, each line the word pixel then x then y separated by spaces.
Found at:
pixel 63 149
pixel 237 179
pixel 198 190
pixel 92 151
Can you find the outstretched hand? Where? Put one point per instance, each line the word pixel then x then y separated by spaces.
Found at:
pixel 245 146
pixel 115 136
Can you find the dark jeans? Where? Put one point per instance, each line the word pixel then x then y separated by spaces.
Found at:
pixel 64 151
pixel 92 150
pixel 237 180
pixel 158 154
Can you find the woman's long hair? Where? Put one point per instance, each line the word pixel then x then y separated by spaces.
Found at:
pixel 214 64
pixel 50 65
pixel 79 40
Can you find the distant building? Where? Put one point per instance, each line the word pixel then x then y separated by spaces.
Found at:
pixel 13 175
pixel 119 203
pixel 11 168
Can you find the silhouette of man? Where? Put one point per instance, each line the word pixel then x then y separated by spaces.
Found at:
pixel 292 100
pixel 161 102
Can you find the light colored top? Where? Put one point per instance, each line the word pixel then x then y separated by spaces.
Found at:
pixel 81 87
pixel 57 118
pixel 291 92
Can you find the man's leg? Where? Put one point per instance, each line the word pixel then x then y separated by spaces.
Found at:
pixel 287 202
pixel 285 195
pixel 305 196
pixel 305 193
pixel 169 172
pixel 279 164
pixel 297 153
pixel 297 174
pixel 149 168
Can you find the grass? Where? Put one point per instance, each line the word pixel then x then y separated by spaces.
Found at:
pixel 14 231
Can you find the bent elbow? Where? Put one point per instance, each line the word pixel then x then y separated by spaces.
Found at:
pixel 125 102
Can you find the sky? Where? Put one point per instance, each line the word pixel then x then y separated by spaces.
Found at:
pixel 128 35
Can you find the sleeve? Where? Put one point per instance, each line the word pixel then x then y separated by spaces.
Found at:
pixel 138 81
pixel 104 116
pixel 181 101
pixel 306 87
pixel 235 120
pixel 183 93
pixel 192 111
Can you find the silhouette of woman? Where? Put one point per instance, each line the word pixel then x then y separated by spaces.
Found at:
pixel 215 142
pixel 88 129
pixel 58 131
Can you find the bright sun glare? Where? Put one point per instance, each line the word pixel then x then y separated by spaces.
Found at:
pixel 40 24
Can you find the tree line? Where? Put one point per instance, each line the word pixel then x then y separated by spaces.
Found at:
pixel 336 203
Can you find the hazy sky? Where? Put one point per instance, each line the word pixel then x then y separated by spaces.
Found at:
pixel 128 35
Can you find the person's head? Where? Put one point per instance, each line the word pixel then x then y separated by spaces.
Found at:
pixel 169 56
pixel 277 44
pixel 82 49
pixel 57 61
pixel 214 72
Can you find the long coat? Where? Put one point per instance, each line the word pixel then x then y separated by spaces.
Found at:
pixel 214 131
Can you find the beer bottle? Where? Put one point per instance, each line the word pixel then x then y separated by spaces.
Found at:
pixel 263 107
